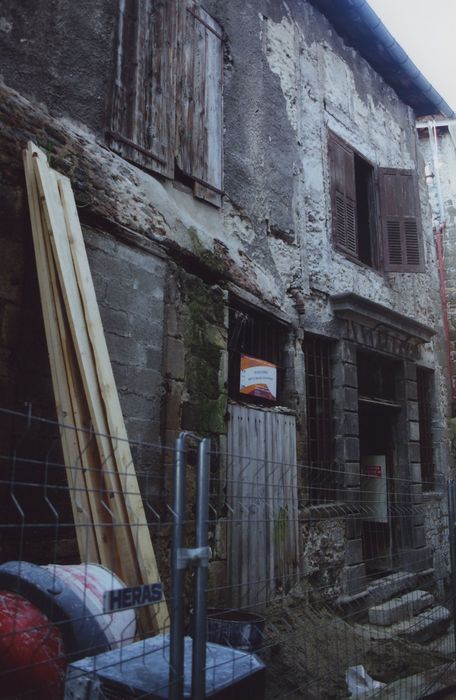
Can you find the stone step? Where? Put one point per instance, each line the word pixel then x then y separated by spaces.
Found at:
pixel 425 626
pixel 401 608
pixel 383 589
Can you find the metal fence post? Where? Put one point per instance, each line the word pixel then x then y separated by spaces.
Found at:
pixel 176 655
pixel 452 538
pixel 181 558
pixel 199 638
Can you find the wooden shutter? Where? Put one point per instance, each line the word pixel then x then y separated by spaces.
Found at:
pixel 142 125
pixel 343 196
pixel 401 225
pixel 199 101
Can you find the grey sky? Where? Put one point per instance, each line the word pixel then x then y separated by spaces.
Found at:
pixel 426 30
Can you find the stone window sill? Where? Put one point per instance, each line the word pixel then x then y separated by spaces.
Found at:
pixel 328 510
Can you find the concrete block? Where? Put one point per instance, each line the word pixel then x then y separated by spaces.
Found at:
pixel 125 351
pixel 350 399
pixel 414 430
pixel 353 528
pixel 350 424
pixel 410 390
pixel 353 579
pixel 419 537
pixel 410 371
pixel 425 626
pixel 175 359
pixel 346 352
pixel 416 559
pixel 420 600
pixel 353 552
pixel 351 449
pixel 400 609
pixel 173 403
pixel 412 410
pixel 115 321
pixel 389 586
pixel 414 452
pixel 352 474
pixel 345 374
pixel 415 473
pixel 388 613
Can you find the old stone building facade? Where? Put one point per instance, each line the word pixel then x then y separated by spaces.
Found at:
pixel 249 183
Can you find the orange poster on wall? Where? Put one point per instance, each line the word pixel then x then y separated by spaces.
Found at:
pixel 258 378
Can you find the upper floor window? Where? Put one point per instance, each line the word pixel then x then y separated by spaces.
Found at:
pixel 375 211
pixel 166 111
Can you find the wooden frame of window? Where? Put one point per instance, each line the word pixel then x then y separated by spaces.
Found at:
pixel 319 411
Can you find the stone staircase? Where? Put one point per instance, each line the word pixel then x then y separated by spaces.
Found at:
pixel 402 605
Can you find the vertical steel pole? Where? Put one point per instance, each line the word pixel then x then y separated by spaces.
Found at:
pixel 452 531
pixel 176 657
pixel 202 514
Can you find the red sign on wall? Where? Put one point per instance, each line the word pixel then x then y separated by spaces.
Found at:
pixel 374 470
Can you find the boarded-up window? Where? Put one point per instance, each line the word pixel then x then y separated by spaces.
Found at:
pixel 166 113
pixel 402 240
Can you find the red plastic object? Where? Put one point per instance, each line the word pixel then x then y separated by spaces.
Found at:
pixel 32 659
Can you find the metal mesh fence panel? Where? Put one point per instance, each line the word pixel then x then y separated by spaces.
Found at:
pixel 348 597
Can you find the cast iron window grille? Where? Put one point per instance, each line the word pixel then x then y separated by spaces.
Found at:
pixel 320 429
pixel 257 335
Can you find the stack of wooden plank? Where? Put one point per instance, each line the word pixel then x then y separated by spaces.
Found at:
pixel 109 515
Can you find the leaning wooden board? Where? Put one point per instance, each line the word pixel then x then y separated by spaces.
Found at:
pixel 84 369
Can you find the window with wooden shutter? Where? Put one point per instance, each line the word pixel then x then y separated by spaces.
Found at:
pixel 142 126
pixel 166 111
pixel 400 215
pixel 343 195
pixel 199 103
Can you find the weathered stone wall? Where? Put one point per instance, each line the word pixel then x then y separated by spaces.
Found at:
pixel 323 555
pixel 435 517
pixel 441 170
pixel 288 79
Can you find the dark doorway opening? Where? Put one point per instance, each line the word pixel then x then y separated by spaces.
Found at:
pixel 378 413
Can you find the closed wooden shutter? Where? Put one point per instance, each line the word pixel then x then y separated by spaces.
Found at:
pixel 401 225
pixel 343 196
pixel 142 125
pixel 199 101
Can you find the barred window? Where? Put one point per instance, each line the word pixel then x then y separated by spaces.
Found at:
pixel 320 429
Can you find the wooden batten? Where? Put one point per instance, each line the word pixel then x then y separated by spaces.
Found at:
pixel 109 515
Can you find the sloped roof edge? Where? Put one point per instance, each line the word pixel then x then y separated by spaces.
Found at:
pixel 361 27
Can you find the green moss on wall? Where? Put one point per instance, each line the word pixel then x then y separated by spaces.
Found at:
pixel 205 338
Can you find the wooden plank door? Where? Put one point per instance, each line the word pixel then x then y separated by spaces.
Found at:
pixel 262 500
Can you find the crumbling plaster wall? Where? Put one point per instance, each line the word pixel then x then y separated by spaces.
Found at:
pixel 288 78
